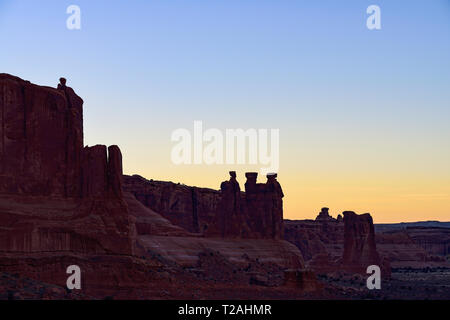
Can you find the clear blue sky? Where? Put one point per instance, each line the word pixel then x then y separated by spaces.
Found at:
pixel 338 92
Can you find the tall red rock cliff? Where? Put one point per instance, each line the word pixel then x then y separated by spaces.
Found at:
pixel 41 145
pixel 360 250
pixel 41 139
pixel 42 155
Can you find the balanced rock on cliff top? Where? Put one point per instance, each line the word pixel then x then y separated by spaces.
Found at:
pixel 324 215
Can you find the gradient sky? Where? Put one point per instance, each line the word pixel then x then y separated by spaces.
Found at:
pixel 363 115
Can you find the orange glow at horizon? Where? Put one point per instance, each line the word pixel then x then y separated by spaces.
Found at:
pixel 387 199
pixel 394 182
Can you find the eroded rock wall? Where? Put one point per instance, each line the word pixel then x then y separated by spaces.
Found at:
pixel 43 164
pixel 255 213
pixel 360 250
pixel 41 139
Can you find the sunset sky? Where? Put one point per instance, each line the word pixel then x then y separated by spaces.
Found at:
pixel 364 115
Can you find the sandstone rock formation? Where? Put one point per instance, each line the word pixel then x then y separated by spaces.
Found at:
pixel 264 206
pixel 329 244
pixel 42 155
pixel 324 235
pixel 255 213
pixel 41 144
pixel 41 139
pixel 63 204
pixel 360 249
pixel 324 215
pixel 191 208
pixel 406 245
pixel 229 220
pixel 359 239
pixel 101 174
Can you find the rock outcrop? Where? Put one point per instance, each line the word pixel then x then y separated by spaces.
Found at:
pixel 41 145
pixel 360 249
pixel 255 213
pixel 190 208
pixel 101 172
pixel 264 206
pixel 314 237
pixel 229 220
pixel 405 245
pixel 328 244
pixel 359 240
pixel 64 204
pixel 41 139
pixel 324 215
pixel 42 156
pixel 321 241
